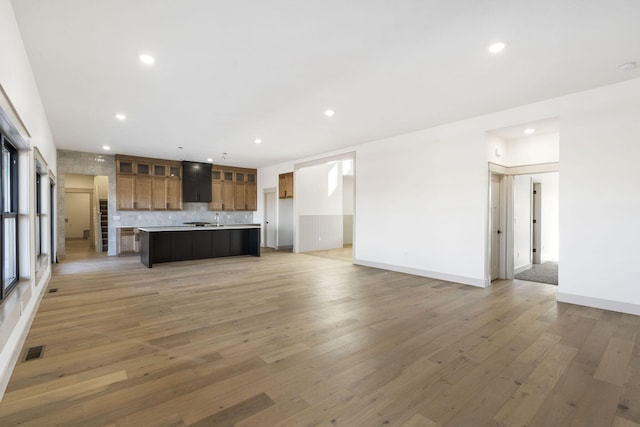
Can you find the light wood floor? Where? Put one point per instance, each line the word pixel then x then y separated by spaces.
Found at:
pixel 301 340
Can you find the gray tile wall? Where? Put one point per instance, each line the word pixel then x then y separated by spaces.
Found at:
pixel 104 164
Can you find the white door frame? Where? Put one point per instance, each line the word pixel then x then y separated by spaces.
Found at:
pixel 270 220
pixel 507 208
pixel 536 221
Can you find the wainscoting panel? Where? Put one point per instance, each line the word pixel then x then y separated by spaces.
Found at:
pixel 320 232
pixel 347 229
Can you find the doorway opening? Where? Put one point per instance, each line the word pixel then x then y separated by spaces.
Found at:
pixel 536 225
pixel 86 216
pixel 523 230
pixel 325 205
pixel 270 218
pixel 496 221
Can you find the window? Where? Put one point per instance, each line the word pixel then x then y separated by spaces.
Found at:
pixel 38 215
pixel 9 229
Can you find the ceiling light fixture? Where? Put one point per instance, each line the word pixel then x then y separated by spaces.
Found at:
pixel 329 113
pixel 497 47
pixel 106 148
pixel 121 116
pixel 147 59
pixel 258 141
pixel 209 160
pixel 529 131
pixel 627 66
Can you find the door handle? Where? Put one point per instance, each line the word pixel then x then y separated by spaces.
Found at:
pixel 499 232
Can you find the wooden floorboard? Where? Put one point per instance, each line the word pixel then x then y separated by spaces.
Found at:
pixel 310 339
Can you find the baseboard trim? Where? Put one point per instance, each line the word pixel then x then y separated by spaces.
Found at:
pixel 279 248
pixel 604 304
pixel 521 269
pixel 481 283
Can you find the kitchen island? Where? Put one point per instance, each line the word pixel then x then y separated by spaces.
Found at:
pixel 165 244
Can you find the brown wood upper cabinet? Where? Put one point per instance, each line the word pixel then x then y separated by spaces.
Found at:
pixel 285 185
pixel 148 184
pixel 233 189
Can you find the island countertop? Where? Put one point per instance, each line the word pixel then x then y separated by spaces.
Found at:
pixel 192 228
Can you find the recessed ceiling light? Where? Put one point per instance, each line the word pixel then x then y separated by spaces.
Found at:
pixel 209 159
pixel 258 141
pixel 529 131
pixel 121 116
pixel 147 59
pixel 106 148
pixel 329 113
pixel 628 66
pixel 497 47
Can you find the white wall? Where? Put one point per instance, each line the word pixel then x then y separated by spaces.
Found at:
pixel 19 85
pixel 318 207
pixel 347 209
pixel 72 180
pixel 599 203
pixel 269 178
pixel 102 182
pixel 429 189
pixel 285 223
pixel 421 203
pixel 318 189
pixel 533 149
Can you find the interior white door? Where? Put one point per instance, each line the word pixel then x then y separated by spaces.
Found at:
pixel 495 226
pixel 270 229
pixel 536 223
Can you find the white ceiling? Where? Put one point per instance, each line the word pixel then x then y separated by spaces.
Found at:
pixel 227 72
pixel 540 127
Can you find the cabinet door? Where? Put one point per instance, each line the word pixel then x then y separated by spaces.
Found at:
pixel 251 193
pixel 160 170
pixel 251 197
pixel 124 167
pixel 228 191
pixel 127 241
pixel 216 190
pixel 181 245
pixel 221 243
pixel 160 247
pixel 158 193
pixel 285 185
pixel 142 199
pixel 174 194
pixel 237 242
pixel 125 191
pixel 202 244
pixel 196 182
pixel 175 171
pixel 240 192
pixel 282 186
pixel 143 168
pixel 217 201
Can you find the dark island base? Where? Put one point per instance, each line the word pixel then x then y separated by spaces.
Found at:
pixel 166 246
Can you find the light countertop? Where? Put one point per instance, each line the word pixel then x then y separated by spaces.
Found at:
pixel 191 228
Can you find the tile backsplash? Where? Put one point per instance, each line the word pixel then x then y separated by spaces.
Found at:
pixel 190 212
